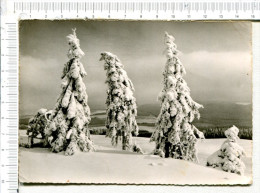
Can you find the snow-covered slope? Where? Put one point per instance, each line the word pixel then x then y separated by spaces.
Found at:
pixel 112 165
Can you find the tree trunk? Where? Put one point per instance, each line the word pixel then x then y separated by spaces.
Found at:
pixel 123 141
pixel 167 149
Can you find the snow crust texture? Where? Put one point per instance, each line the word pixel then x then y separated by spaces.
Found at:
pixel 175 135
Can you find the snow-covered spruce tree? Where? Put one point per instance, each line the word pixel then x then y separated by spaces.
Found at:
pixel 230 154
pixel 121 104
pixel 36 126
pixel 175 135
pixel 67 129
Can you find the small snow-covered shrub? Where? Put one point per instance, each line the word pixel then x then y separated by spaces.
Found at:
pixel 136 148
pixel 230 154
pixel 36 126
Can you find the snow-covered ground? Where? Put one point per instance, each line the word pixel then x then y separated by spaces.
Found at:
pixel 112 165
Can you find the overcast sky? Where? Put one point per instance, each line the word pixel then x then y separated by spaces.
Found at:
pixel 216 55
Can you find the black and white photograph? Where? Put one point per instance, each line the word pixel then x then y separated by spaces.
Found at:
pixel 135 102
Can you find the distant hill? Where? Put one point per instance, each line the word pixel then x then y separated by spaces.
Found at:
pixel 149 109
pixel 214 114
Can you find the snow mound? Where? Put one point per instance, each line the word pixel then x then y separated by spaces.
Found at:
pixel 112 165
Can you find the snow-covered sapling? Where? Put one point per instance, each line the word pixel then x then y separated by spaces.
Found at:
pixel 121 104
pixel 175 135
pixel 229 156
pixel 67 128
pixel 36 126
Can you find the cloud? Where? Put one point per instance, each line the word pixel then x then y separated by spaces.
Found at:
pixel 216 56
pixel 223 63
pixel 210 75
pixel 219 75
pixel 39 83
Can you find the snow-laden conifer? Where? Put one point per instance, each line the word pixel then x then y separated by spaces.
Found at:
pixel 175 135
pixel 230 154
pixel 121 104
pixel 67 128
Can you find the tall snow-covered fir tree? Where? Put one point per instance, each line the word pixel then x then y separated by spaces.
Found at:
pixel 121 104
pixel 67 128
pixel 175 135
pixel 229 157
